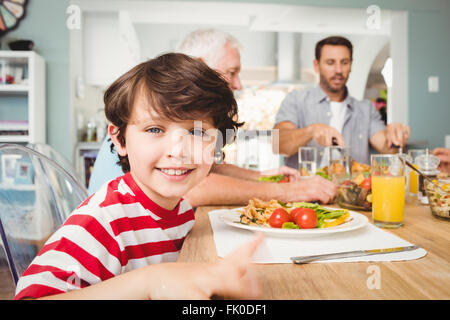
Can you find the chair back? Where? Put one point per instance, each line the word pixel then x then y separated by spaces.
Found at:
pixel 57 157
pixel 36 197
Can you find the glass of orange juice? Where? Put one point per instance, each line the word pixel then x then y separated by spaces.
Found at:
pixel 413 178
pixel 388 190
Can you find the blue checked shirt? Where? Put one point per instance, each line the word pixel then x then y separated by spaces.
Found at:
pixel 305 107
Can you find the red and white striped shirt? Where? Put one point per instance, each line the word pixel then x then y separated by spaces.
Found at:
pixel 116 230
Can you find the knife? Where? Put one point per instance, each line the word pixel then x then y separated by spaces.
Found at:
pixel 347 254
pixel 334 141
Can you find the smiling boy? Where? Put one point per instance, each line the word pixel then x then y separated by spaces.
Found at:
pixel 109 244
pixel 166 169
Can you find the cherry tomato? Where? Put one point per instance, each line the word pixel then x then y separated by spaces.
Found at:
pixel 346 182
pixel 367 183
pixel 284 180
pixel 295 212
pixel 278 217
pixel 306 218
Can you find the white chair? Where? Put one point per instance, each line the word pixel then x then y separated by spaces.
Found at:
pixel 36 197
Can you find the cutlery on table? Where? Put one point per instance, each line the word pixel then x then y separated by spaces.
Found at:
pixel 347 254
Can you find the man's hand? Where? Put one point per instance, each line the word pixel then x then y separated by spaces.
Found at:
pixel 311 189
pixel 397 134
pixel 291 173
pixel 444 155
pixel 323 134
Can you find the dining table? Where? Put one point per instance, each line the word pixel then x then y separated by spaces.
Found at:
pixel 426 278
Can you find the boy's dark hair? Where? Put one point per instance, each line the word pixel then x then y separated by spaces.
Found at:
pixel 177 87
pixel 334 41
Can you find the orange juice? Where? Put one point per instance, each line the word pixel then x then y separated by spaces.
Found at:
pixel 413 180
pixel 388 199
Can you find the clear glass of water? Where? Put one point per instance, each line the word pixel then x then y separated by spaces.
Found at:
pixel 307 161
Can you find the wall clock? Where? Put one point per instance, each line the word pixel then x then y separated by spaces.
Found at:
pixel 11 12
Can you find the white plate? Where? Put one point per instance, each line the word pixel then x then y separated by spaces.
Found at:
pixel 357 220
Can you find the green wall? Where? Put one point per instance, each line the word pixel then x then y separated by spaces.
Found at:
pixel 429 47
pixel 45 24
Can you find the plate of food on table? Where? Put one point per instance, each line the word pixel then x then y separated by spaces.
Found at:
pixel 293 218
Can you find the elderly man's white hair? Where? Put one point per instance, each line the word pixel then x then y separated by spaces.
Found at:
pixel 207 44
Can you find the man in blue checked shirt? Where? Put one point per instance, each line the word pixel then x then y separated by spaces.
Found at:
pixel 317 116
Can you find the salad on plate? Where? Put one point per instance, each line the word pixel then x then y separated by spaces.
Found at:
pixel 296 215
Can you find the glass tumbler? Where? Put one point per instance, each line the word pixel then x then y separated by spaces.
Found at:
pixel 307 161
pixel 388 190
pixel 339 161
pixel 413 177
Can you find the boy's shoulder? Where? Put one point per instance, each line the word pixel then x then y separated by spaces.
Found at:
pixel 112 193
pixel 122 197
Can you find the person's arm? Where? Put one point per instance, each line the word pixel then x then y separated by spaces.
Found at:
pixel 382 137
pixel 235 171
pixel 217 189
pixel 248 174
pixel 291 137
pixel 179 280
pixel 105 167
pixel 394 134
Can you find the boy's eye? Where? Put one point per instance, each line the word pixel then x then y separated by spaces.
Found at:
pixel 198 133
pixel 154 130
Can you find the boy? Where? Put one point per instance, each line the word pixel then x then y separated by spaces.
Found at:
pixel 112 245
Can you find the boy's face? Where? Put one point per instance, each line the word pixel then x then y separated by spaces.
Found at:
pixel 166 158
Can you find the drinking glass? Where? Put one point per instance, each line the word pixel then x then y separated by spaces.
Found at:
pixel 339 161
pixel 413 178
pixel 388 190
pixel 307 161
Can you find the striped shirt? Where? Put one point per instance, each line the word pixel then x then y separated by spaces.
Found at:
pixel 115 230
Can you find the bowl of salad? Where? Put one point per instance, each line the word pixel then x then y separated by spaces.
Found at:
pixel 439 198
pixel 356 193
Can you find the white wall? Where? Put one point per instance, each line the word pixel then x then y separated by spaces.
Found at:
pixel 258 48
pixel 107 53
pixel 397 107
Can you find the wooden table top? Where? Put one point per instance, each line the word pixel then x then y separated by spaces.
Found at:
pixel 424 278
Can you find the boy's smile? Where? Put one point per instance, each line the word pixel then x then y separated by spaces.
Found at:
pixel 167 158
pixel 175 174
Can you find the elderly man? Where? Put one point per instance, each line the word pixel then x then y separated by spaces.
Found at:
pixel 317 116
pixel 226 184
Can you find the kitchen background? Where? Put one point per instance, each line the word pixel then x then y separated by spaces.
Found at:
pixel 278 39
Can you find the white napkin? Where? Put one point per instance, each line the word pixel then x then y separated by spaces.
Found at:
pixel 280 249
